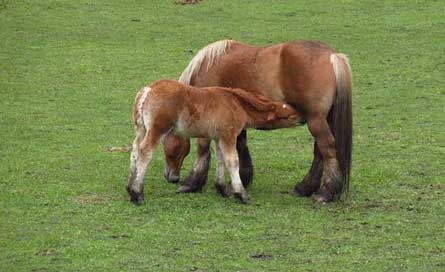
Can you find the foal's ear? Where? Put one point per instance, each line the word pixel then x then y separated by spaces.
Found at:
pixel 272 115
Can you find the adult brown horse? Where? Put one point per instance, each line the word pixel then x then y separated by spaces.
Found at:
pixel 310 76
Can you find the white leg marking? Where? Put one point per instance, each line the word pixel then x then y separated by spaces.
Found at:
pixel 145 91
pixel 219 165
pixel 232 165
pixel 141 166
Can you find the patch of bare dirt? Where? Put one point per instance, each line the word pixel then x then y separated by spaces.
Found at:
pixel 187 2
pixel 261 256
pixel 120 149
pixel 89 199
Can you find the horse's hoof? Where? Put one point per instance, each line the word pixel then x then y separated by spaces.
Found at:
pixel 302 189
pixel 187 189
pixel 319 199
pixel 242 197
pixel 222 189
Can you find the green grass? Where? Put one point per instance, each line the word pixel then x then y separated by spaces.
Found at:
pixel 69 71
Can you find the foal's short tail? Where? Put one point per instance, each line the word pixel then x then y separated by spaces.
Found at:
pixel 340 117
pixel 138 113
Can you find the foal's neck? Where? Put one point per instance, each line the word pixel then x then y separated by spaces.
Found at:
pixel 256 118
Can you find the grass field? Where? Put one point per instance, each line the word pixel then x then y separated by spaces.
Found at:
pixel 69 71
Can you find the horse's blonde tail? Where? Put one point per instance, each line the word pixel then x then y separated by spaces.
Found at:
pixel 211 53
pixel 340 118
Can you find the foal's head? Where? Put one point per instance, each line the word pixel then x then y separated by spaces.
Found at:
pixel 282 116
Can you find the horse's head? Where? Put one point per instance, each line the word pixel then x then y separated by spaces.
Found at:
pixel 283 116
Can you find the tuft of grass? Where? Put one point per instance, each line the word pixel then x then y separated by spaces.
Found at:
pixel 69 72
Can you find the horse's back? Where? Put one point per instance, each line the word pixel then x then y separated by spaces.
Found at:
pixel 298 72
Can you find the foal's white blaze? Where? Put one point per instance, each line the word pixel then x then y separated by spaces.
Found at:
pixel 284 106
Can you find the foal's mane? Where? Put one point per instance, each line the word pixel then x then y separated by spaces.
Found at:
pixel 255 100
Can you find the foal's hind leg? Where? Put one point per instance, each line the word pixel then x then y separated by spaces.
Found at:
pixel 312 180
pixel 228 148
pixel 331 177
pixel 220 185
pixel 141 157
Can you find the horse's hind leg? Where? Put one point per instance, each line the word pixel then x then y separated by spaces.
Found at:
pixel 245 161
pixel 198 175
pixel 331 177
pixel 312 180
pixel 141 157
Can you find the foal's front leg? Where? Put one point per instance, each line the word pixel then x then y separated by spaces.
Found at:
pixel 228 148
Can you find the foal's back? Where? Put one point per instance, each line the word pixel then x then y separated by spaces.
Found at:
pixel 193 112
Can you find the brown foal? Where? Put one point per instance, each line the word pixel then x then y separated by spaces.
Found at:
pixel 216 113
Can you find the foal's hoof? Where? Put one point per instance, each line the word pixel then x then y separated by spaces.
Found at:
pixel 136 198
pixel 222 189
pixel 188 189
pixel 242 197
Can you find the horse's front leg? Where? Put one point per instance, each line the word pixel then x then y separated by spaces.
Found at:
pixel 245 161
pixel 220 185
pixel 198 175
pixel 228 148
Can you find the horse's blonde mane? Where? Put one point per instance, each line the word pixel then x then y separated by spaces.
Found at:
pixel 211 52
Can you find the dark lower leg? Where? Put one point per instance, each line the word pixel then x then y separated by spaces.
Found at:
pixel 311 182
pixel 331 179
pixel 331 182
pixel 197 177
pixel 245 161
